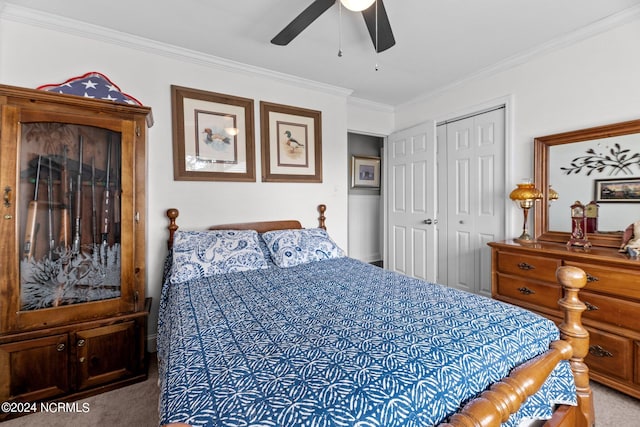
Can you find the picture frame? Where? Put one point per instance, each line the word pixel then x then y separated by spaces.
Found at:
pixel 365 172
pixel 213 136
pixel 625 190
pixel 291 143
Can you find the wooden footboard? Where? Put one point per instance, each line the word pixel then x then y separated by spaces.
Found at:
pixel 505 397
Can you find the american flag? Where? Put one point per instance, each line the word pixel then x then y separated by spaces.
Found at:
pixel 92 85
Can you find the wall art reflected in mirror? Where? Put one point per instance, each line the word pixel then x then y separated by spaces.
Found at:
pixel 576 165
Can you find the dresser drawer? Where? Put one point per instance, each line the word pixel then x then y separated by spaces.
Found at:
pixel 624 283
pixel 528 266
pixel 530 292
pixel 611 310
pixel 610 354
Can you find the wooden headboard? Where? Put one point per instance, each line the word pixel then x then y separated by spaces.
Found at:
pixel 259 226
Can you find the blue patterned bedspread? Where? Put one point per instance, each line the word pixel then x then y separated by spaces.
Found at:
pixel 339 343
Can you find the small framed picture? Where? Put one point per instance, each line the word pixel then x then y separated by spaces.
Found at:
pixel 291 143
pixel 625 190
pixel 365 172
pixel 213 136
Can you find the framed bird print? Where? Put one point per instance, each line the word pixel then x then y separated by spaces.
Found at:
pixel 213 136
pixel 291 143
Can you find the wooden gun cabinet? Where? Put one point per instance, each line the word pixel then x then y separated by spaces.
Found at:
pixel 73 310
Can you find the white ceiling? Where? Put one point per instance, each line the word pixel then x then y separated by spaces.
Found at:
pixel 438 42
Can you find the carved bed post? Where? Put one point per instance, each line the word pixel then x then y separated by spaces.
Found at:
pixel 172 214
pixel 571 330
pixel 322 218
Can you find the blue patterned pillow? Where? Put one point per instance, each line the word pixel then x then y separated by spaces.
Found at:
pixel 206 253
pixel 292 247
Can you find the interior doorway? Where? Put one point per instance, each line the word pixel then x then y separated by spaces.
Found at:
pixel 365 219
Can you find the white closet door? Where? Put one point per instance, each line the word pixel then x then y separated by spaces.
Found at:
pixel 475 198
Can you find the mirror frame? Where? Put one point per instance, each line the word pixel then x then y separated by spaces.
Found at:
pixel 541 174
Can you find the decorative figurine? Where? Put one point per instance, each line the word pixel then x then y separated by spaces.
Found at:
pixel 578 226
pixel 631 240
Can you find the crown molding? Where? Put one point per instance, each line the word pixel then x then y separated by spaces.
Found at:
pixel 370 105
pixel 23 15
pixel 576 36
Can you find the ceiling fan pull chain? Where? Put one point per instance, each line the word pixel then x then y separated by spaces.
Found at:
pixel 377 67
pixel 340 30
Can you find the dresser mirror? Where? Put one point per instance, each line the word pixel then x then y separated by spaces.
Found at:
pixel 600 164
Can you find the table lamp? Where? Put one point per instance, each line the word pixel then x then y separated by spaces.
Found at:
pixel 525 196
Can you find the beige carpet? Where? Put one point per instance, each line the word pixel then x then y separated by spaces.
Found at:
pixel 136 405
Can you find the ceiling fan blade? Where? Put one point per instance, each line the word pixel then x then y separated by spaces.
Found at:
pixel 385 37
pixel 302 21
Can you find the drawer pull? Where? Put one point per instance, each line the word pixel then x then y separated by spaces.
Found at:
pixel 591 278
pixel 80 343
pixel 526 291
pixel 60 347
pixel 591 307
pixel 598 351
pixel 525 266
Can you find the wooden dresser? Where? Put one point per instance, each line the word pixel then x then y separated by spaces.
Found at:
pixel 524 275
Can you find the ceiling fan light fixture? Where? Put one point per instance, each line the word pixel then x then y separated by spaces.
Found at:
pixel 357 5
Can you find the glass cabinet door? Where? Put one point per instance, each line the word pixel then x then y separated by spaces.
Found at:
pixel 69 214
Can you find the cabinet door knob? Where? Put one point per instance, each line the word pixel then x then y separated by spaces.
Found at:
pixel 526 291
pixel 80 343
pixel 81 360
pixel 60 347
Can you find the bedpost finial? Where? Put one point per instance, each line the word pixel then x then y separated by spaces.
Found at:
pixel 322 208
pixel 172 214
pixel 571 277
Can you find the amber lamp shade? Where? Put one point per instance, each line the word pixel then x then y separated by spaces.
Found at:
pixel 525 196
pixel 552 195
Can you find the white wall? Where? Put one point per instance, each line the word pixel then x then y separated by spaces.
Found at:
pixel 589 83
pixel 36 49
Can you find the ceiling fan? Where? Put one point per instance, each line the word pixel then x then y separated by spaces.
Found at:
pixel 382 36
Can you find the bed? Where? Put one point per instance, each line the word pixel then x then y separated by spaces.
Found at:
pixel 270 324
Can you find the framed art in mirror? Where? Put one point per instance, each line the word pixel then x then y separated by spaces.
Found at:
pixel 617 190
pixel 574 163
pixel 213 136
